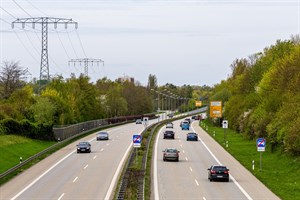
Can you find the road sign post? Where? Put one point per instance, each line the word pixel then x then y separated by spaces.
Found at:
pixel 225 126
pixel 261 147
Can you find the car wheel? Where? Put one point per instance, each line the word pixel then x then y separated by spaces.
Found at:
pixel 227 180
pixel 177 160
pixel 210 179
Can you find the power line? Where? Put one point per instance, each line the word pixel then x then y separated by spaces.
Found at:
pixel 72 45
pixel 81 43
pixel 36 8
pixel 86 62
pixel 21 8
pixel 44 21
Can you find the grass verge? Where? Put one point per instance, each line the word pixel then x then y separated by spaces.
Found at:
pixel 280 172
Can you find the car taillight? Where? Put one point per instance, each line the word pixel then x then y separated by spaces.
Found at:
pixel 226 172
pixel 212 171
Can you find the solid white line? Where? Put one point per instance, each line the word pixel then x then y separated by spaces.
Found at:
pixel 61 196
pixel 191 169
pixel 102 149
pixel 204 198
pixel 85 166
pixel 75 179
pixel 116 175
pixel 156 194
pixel 95 157
pixel 43 174
pixel 233 179
pixel 196 182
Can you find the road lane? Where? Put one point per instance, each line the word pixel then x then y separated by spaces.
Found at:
pixel 187 179
pixel 93 172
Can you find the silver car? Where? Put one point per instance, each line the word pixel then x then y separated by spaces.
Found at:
pixel 171 154
pixel 102 136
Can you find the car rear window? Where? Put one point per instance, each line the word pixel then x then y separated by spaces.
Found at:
pixel 218 168
pixel 171 150
pixel 169 132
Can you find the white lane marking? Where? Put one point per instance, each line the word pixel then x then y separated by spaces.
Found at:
pixel 183 151
pixel 156 196
pixel 75 179
pixel 191 169
pixel 186 158
pixel 204 198
pixel 181 145
pixel 61 196
pixel 102 149
pixel 107 144
pixel 95 157
pixel 86 167
pixel 116 175
pixel 43 174
pixel 232 178
pixel 196 182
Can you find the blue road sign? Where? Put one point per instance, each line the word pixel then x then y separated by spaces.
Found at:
pixel 137 139
pixel 261 144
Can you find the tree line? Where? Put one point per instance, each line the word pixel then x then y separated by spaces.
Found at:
pixel 65 101
pixel 261 97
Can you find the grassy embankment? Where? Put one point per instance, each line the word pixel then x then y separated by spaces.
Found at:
pixel 12 147
pixel 280 172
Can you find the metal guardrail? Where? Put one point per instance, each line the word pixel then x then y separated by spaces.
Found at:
pixel 121 194
pixel 18 166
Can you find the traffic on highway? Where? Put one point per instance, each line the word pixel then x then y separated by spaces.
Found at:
pixel 187 164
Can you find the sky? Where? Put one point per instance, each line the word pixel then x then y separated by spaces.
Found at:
pixel 182 42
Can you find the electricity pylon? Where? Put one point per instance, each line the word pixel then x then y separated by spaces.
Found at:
pixel 44 21
pixel 86 62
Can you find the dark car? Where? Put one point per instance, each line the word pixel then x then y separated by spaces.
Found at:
pixel 102 136
pixel 218 172
pixel 138 121
pixel 171 154
pixel 188 120
pixel 169 134
pixel 192 137
pixel 84 147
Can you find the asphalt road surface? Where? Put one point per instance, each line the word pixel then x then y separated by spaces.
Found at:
pixel 68 175
pixel 187 179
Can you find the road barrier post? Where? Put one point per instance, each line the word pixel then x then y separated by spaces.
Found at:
pixel 253 165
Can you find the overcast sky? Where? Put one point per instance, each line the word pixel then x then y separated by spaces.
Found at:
pixel 180 41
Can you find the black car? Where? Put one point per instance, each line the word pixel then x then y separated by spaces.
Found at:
pixel 188 120
pixel 218 172
pixel 84 147
pixel 192 137
pixel 169 134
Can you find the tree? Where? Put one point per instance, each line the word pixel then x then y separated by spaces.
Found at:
pixel 11 78
pixel 152 82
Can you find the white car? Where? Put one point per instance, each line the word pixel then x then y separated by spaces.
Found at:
pixel 169 125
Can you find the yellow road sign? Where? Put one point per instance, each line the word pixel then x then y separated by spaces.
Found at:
pixel 215 109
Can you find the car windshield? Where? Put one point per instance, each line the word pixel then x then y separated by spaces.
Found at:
pixel 219 168
pixel 102 133
pixel 191 133
pixel 83 143
pixel 171 150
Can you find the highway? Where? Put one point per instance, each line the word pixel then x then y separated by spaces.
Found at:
pixel 187 179
pixel 68 175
